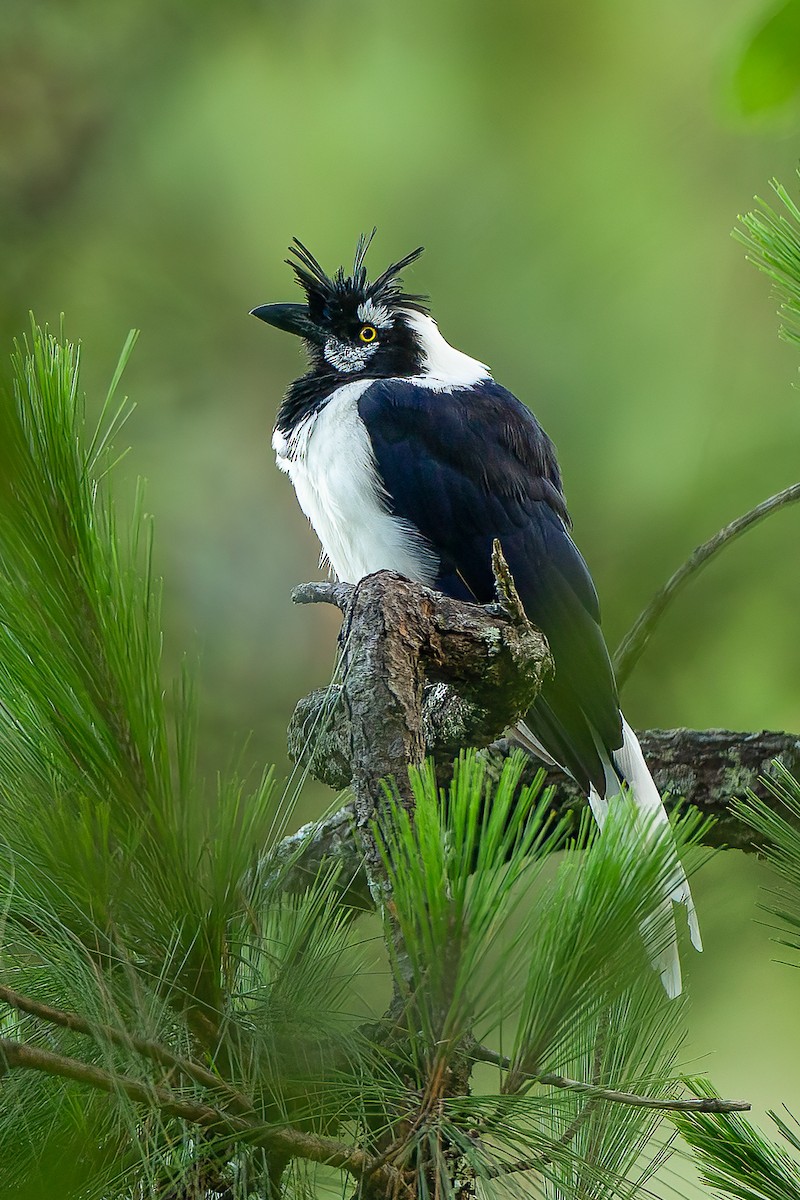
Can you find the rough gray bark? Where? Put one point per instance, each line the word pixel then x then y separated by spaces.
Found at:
pixel 396 638
pixel 706 768
pixel 427 674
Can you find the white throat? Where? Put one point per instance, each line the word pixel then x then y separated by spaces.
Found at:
pixel 444 366
pixel 330 460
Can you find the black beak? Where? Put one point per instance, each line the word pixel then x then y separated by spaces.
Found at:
pixel 293 318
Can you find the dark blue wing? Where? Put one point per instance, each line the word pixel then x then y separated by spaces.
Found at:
pixel 469 465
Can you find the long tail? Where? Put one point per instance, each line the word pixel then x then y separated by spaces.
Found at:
pixel 628 762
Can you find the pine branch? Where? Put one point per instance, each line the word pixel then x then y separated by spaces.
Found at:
pixel 702 768
pixel 708 1104
pixel 394 641
pixel 636 639
pixel 705 768
pixel 154 1051
pixel 574 1127
pixel 287 1143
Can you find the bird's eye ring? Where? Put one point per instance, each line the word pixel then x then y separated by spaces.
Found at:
pixel 368 333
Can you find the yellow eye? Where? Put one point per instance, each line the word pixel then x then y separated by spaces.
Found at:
pixel 368 333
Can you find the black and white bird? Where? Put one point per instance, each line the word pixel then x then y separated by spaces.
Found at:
pixel 407 456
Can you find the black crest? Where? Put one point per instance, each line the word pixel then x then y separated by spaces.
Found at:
pixel 329 297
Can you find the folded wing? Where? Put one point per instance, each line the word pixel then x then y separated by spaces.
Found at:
pixel 468 465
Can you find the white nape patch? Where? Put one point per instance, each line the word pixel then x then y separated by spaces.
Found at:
pixel 375 314
pixel 330 461
pixel 443 365
pixel 345 356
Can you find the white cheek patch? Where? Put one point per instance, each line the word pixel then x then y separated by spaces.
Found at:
pixel 346 357
pixel 375 314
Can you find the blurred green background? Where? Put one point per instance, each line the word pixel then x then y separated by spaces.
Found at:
pixel 574 170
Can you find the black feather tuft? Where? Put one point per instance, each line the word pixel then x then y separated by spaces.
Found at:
pixel 328 294
pixel 362 246
pixel 386 289
pixel 308 273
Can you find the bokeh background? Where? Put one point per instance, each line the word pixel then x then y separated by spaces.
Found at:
pixel 574 170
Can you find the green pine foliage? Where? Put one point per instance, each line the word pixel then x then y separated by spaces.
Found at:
pixel 734 1157
pixel 771 236
pixel 569 984
pixel 737 1160
pixel 175 1023
pixel 128 894
pixel 778 823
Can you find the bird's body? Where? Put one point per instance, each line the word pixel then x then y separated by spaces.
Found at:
pixel 406 455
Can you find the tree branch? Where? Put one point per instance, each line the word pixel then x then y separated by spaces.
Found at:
pixel 711 1104
pixel 154 1051
pixel 703 767
pixel 396 638
pixel 289 1143
pixel 633 644
pixel 706 768
pixel 423 672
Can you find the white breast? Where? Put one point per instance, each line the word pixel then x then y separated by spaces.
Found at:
pixel 329 459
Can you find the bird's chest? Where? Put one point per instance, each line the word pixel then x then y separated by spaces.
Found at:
pixel 329 458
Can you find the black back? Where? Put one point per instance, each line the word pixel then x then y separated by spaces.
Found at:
pixel 466 466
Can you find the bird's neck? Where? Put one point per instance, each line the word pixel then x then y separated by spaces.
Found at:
pixel 440 367
pixel 306 396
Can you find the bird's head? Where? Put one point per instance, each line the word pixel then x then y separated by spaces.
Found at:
pixel 353 326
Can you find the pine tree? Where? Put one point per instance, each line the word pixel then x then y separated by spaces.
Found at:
pixel 182 1019
pixel 177 1021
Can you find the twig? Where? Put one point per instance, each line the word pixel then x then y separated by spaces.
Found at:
pixel 571 1132
pixel 546 1157
pixel 505 588
pixel 338 594
pixel 633 644
pixel 292 1143
pixel 154 1051
pixel 712 1104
